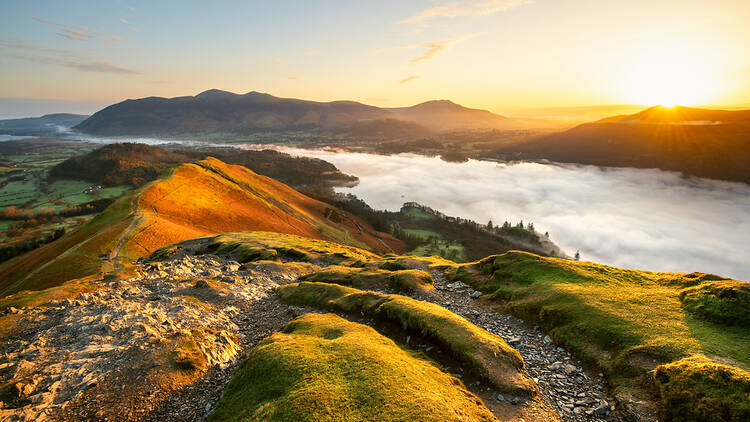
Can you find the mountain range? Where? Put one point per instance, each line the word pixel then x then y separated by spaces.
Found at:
pixel 226 112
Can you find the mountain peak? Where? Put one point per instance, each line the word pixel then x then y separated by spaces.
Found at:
pixel 215 94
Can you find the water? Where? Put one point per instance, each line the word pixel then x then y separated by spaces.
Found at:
pixel 632 218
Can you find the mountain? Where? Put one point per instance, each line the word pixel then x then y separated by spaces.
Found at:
pixel 201 198
pixel 446 115
pixel 226 112
pixel 697 142
pixel 45 125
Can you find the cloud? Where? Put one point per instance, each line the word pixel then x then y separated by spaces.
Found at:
pixel 80 33
pixel 63 58
pixel 278 62
pixel 125 21
pixel 435 47
pixel 465 8
pixel 71 37
pixel 646 219
pixel 408 79
pixel 78 63
pixel 294 77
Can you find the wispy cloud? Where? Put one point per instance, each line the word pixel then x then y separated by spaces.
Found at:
pixel 408 79
pixel 294 77
pixel 125 21
pixel 80 33
pixel 63 58
pixel 78 63
pixel 433 48
pixel 465 8
pixel 71 37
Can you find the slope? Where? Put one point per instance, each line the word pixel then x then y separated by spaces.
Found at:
pixel 195 199
pixel 705 143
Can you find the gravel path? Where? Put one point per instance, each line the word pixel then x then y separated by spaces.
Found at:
pixel 565 386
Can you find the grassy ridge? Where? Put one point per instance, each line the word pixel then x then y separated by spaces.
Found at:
pixel 403 280
pixel 628 322
pixel 485 353
pixel 324 368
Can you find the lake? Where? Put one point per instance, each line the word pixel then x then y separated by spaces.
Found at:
pixel 633 218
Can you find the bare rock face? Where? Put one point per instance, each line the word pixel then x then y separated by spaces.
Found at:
pixel 170 324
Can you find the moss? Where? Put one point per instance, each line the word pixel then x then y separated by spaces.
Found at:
pixel 164 253
pixel 404 280
pixel 625 321
pixel 697 389
pixel 324 368
pixel 486 354
pixel 724 301
pixel 250 246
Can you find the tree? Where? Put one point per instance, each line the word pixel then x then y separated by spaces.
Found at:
pixel 546 234
pixel 531 226
pixel 578 256
pixel 489 225
pixel 520 224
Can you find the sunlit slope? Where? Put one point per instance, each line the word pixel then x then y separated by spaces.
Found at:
pixel 206 197
pixel 213 197
pixel 706 143
pixel 78 254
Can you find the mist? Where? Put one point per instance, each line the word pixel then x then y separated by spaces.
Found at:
pixel 632 218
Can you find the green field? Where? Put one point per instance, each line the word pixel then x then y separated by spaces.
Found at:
pixel 28 194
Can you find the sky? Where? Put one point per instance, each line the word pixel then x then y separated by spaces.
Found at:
pixel 502 55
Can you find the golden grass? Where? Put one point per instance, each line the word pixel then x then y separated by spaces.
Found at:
pixel 485 353
pixel 324 368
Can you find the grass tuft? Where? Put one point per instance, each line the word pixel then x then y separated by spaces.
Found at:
pixel 486 354
pixel 322 367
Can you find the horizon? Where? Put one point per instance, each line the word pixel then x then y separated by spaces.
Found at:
pixel 511 57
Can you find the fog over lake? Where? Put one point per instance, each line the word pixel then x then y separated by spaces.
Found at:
pixel 646 219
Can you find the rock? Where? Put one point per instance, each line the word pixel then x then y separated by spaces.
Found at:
pixel 475 294
pixel 570 369
pixel 514 340
pixel 547 340
pixel 602 410
pixel 201 284
pixel 457 285
pixel 500 397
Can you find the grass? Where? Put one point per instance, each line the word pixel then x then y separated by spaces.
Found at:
pixel 484 353
pixel 259 245
pixel 697 389
pixel 75 255
pixel 403 280
pixel 324 368
pixel 627 322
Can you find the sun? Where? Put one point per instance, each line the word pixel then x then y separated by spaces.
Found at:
pixel 669 75
pixel 669 84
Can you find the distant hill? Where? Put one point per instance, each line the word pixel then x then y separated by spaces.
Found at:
pixel 135 164
pixel 698 142
pixel 36 126
pixel 197 199
pixel 225 112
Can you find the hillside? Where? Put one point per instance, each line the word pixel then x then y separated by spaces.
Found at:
pixel 706 143
pixel 229 327
pixel 217 111
pixel 196 199
pixel 135 164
